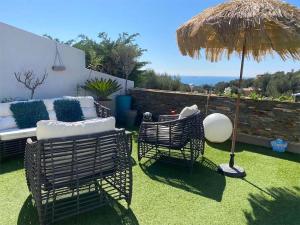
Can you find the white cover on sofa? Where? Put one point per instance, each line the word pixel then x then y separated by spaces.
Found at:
pixel 47 129
pixel 188 111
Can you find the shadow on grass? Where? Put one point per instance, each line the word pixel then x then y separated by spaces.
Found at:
pixel 113 215
pixel 10 165
pixel 282 208
pixel 257 187
pixel 240 147
pixel 133 162
pixel 204 179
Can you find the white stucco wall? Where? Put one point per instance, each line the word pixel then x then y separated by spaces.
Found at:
pixel 21 50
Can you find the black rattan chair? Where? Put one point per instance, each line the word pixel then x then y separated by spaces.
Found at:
pixel 16 147
pixel 68 176
pixel 173 139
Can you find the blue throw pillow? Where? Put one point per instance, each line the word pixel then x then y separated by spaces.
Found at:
pixel 27 114
pixel 68 110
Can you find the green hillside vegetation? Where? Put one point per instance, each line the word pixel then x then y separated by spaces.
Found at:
pixel 274 85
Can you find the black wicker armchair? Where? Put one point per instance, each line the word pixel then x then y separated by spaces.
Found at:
pixel 68 176
pixel 16 147
pixel 172 138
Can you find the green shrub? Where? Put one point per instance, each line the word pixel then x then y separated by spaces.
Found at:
pixel 102 88
pixel 255 96
pixel 286 98
pixel 27 114
pixel 68 110
pixel 153 80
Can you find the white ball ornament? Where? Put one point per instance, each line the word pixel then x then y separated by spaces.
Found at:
pixel 217 128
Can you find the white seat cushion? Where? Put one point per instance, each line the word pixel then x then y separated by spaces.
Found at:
pixel 188 111
pixel 47 129
pixel 16 133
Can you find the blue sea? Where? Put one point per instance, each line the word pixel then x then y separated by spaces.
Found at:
pixel 201 80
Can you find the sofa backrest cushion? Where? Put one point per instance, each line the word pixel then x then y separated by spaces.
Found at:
pixel 85 101
pixel 188 111
pixel 52 115
pixel 5 109
pixel 7 119
pixel 7 122
pixel 49 103
pixel 68 110
pixel 28 113
pixel 49 129
pixel 87 105
pixel 89 113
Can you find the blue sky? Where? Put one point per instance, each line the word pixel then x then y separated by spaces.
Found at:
pixel 155 20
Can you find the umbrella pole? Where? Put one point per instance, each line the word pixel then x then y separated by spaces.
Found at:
pixel 230 169
pixel 237 110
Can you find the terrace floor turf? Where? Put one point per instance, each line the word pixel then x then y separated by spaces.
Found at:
pixel 169 194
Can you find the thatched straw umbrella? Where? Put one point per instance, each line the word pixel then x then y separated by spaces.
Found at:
pixel 246 27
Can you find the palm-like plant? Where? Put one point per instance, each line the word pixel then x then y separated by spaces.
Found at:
pixel 102 88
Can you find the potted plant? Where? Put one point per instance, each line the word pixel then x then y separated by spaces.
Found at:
pixel 125 57
pixel 101 89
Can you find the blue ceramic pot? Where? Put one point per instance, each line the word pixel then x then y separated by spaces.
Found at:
pixel 123 103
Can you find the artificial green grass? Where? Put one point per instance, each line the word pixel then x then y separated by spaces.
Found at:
pixel 169 194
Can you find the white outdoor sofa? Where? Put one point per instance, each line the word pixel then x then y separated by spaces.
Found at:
pixel 13 139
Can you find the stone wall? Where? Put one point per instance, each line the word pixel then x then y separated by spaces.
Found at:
pixel 268 119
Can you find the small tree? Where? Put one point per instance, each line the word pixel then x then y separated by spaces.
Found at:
pixel 125 57
pixel 30 81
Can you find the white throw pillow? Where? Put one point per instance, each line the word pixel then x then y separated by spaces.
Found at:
pixel 89 113
pixel 47 129
pixel 7 122
pixel 85 101
pixel 188 111
pixel 5 109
